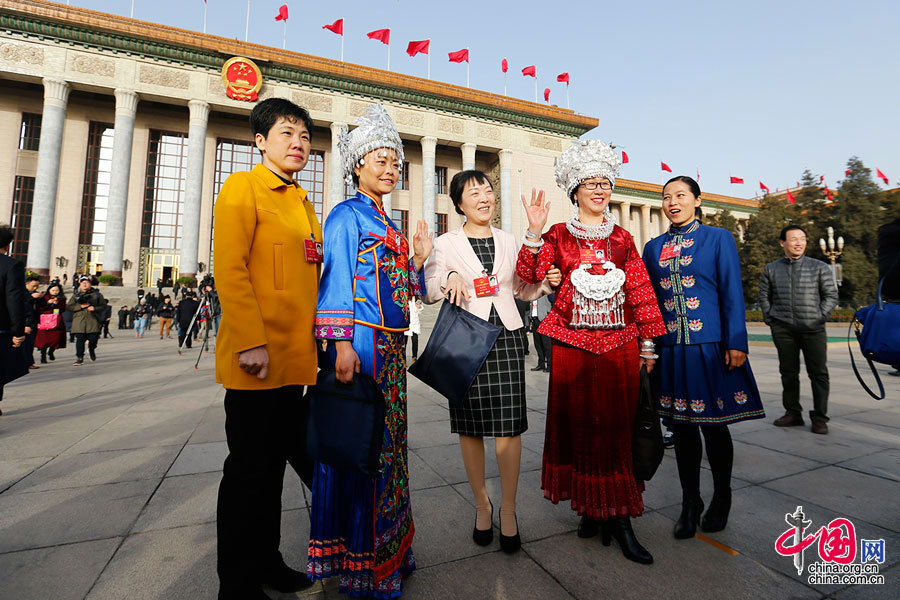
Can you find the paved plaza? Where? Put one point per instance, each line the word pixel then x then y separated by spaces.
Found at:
pixel 109 474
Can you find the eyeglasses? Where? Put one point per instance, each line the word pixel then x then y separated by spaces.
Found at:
pixel 593 185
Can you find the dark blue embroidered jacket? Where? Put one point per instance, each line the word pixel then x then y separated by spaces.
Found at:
pixel 699 291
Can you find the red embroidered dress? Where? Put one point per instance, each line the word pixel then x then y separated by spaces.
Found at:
pixel 594 379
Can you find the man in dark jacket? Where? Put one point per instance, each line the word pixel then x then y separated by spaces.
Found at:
pixel 796 294
pixel 32 316
pixel 186 309
pixel 12 312
pixel 87 306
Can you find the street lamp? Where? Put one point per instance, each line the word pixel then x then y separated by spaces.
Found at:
pixel 61 262
pixel 832 254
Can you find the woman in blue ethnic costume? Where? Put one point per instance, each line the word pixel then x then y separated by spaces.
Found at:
pixel 705 379
pixel 361 529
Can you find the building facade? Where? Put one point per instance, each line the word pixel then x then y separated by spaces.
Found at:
pixel 118 135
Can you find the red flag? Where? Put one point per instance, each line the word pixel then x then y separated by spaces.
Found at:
pixel 624 158
pixel 847 173
pixel 529 71
pixel 763 186
pixel 282 13
pixel 828 194
pixel 546 94
pixel 336 27
pixel 416 47
pixel 504 65
pixel 459 56
pixel 881 175
pixel 736 180
pixel 563 77
pixel 790 197
pixel 665 167
pixel 382 35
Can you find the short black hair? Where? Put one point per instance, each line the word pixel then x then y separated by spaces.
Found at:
pixel 6 236
pixel 693 185
pixel 30 278
pixel 458 184
pixel 783 235
pixel 265 114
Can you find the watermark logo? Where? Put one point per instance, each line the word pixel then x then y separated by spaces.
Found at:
pixel 837 549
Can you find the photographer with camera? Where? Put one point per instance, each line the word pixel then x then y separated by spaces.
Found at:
pixel 210 295
pixel 87 306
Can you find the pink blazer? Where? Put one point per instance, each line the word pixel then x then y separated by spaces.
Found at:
pixel 452 252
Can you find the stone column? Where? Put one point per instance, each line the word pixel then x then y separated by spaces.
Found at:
pixel 625 216
pixel 336 175
pixel 646 236
pixel 468 156
pixel 506 191
pixel 120 167
pixel 193 193
pixel 56 96
pixel 429 146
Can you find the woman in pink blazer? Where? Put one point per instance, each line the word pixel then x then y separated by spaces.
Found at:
pixel 475 266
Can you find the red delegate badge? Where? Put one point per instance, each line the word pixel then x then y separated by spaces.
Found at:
pixel 670 252
pixel 487 285
pixel 591 256
pixel 395 241
pixel 313 251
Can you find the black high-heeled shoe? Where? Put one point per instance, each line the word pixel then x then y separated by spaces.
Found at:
pixel 621 530
pixel 686 526
pixel 588 527
pixel 716 518
pixel 483 537
pixel 510 543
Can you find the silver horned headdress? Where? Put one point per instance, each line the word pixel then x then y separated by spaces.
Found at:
pixel 585 159
pixel 376 130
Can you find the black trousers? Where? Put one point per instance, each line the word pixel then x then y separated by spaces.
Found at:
pixel 542 346
pixel 80 339
pixel 265 430
pixel 814 345
pixel 184 338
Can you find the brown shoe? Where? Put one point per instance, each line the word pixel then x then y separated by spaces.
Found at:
pixel 819 426
pixel 788 420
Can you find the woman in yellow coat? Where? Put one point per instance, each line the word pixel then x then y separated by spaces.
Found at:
pixel 267 256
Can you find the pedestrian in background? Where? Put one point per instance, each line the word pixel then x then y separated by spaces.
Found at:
pixel 542 343
pixel 140 318
pixel 51 334
pixel 166 314
pixel 796 294
pixel 415 326
pixel 185 311
pixel 86 305
pixel 12 312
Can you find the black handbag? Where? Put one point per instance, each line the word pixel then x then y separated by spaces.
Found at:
pixel 647 441
pixel 457 348
pixel 878 333
pixel 345 427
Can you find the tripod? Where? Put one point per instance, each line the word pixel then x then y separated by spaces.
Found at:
pixel 204 313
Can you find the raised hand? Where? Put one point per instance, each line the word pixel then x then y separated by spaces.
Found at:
pixel 536 211
pixel 423 243
pixel 554 276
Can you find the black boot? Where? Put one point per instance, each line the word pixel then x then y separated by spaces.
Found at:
pixel 43 356
pixel 588 527
pixel 621 531
pixel 686 526
pixel 716 518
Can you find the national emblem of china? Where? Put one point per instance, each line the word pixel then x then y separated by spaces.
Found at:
pixel 242 79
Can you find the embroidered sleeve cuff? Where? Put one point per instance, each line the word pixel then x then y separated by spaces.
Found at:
pixel 525 265
pixel 334 325
pixel 416 284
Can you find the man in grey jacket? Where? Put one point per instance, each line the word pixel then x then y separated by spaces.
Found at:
pixel 797 293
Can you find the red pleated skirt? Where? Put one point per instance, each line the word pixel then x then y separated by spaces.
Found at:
pixel 591 407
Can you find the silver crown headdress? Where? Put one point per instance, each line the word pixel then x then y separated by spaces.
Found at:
pixel 585 159
pixel 376 130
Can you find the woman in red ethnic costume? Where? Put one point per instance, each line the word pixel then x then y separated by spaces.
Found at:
pixel 51 339
pixel 604 304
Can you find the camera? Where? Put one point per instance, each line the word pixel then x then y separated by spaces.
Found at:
pixel 82 298
pixel 208 280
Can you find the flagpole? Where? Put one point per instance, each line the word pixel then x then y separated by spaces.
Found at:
pixel 429 64
pixel 132 9
pixel 247 25
pixel 284 39
pixel 205 6
pixel 505 77
pixel 535 89
pixel 467 67
pixel 389 56
pixel 567 95
pixel 343 24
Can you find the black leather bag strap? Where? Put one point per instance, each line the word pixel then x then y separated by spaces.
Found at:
pixel 871 366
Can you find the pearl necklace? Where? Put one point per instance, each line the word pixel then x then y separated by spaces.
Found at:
pixel 592 232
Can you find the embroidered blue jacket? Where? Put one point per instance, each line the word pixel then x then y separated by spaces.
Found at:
pixel 363 281
pixel 699 291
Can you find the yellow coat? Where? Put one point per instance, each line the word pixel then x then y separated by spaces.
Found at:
pixel 267 288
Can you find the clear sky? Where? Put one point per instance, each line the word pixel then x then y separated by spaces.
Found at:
pixel 759 90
